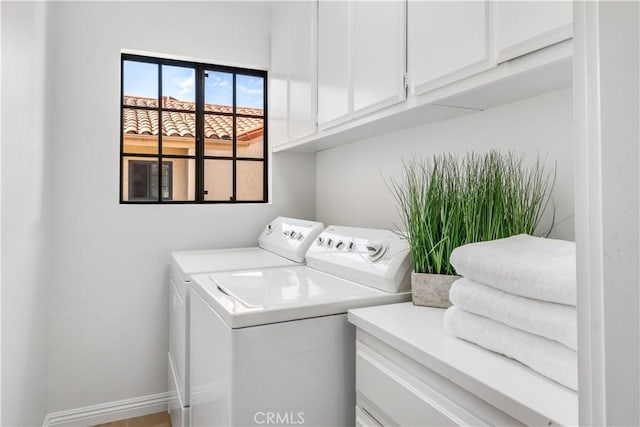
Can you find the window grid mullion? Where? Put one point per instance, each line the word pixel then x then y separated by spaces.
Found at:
pixel 159 184
pixel 234 138
pixel 253 159
pixel 265 139
pixel 121 130
pixel 177 110
pixel 200 188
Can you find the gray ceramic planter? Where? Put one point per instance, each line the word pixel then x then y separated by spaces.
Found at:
pixel 431 290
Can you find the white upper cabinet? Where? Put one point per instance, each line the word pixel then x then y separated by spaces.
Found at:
pixel 361 58
pixel 292 109
pixel 334 62
pixel 278 78
pixel 378 54
pixel 447 41
pixel 302 68
pixel 520 27
pixel 340 69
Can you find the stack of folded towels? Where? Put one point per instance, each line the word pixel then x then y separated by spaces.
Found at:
pixel 517 297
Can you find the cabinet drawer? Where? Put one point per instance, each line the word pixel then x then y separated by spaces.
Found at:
pixel 392 394
pixel 397 390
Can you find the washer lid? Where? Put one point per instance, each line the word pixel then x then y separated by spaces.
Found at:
pixel 259 297
pixel 282 286
pixel 193 262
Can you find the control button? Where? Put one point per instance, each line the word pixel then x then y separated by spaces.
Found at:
pixel 300 236
pixel 293 234
pixel 330 243
pixel 340 245
pixel 376 250
pixel 350 247
pixel 320 241
pixel 287 232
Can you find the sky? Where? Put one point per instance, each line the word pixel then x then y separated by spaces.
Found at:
pixel 141 79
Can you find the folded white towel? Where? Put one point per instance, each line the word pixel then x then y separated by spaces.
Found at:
pixel 549 358
pixel 533 267
pixel 557 322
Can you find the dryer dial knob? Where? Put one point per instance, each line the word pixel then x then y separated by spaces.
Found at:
pixel 376 250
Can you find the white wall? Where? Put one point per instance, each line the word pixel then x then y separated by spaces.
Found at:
pixel 109 299
pixel 350 186
pixel 25 213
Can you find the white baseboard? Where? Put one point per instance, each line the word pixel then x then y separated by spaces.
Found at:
pixel 107 412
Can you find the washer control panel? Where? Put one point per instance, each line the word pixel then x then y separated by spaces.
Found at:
pixel 341 245
pixel 289 237
pixel 376 258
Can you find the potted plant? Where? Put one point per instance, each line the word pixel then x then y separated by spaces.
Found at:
pixel 449 201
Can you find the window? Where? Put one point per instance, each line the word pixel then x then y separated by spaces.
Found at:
pixel 202 126
pixel 143 180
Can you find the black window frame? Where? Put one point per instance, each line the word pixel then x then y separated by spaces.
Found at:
pixel 200 69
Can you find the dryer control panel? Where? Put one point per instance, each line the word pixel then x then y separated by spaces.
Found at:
pixel 289 237
pixel 372 257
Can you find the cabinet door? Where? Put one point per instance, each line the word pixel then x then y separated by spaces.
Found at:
pixel 378 54
pixel 521 27
pixel 278 77
pixel 447 41
pixel 302 68
pixel 334 70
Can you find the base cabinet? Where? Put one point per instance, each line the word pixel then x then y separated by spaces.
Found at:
pixel 393 389
pixel 410 372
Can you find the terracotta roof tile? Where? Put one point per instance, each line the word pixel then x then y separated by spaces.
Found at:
pixel 182 124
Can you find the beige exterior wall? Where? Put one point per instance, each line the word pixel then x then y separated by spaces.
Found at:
pixel 250 180
pixel 218 173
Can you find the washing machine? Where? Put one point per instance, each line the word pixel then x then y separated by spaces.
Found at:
pixel 274 347
pixel 283 242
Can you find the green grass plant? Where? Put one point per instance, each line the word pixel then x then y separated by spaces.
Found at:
pixel 448 201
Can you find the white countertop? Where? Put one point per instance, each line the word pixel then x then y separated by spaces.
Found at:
pixel 504 383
